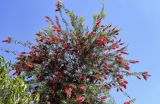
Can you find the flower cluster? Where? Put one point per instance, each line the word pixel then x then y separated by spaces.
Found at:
pixel 74 64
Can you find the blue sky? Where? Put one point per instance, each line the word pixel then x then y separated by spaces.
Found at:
pixel 138 19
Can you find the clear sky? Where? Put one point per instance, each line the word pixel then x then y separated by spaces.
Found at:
pixel 138 19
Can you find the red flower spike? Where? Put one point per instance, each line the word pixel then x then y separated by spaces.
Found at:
pixel 120 76
pixel 42 38
pixel 52 36
pixel 20 57
pixel 98 22
pixel 80 99
pixel 66 45
pixel 29 66
pixel 74 87
pixel 59 39
pixel 127 102
pixel 68 90
pixel 47 17
pixel 120 57
pixel 57 29
pixel 101 41
pixel 17 72
pixel 103 98
pixel 139 77
pixel 121 43
pixel 123 52
pixel 94 33
pixel 84 79
pixel 32 53
pixel 133 61
pixel 127 67
pixel 121 83
pixel 126 82
pixel 106 64
pixel 57 73
pixel 8 40
pixel 84 88
pixel 112 41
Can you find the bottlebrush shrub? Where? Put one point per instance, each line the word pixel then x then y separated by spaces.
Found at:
pixel 71 64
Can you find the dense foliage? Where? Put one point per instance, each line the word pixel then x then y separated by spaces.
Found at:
pixel 71 64
pixel 12 90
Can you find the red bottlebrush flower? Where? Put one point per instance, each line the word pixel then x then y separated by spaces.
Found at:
pixel 106 64
pixel 54 80
pixel 17 72
pixel 20 57
pixel 32 53
pixel 66 45
pixel 112 41
pixel 98 22
pixel 102 41
pixel 139 77
pixel 94 33
pixel 103 98
pixel 19 65
pixel 79 47
pixel 133 61
pixel 74 87
pixel 52 36
pixel 120 57
pixel 62 77
pixel 23 52
pixel 52 41
pixel 57 73
pixel 123 52
pixel 106 55
pixel 47 18
pixel 57 29
pixel 127 67
pixel 69 95
pixel 40 77
pixel 84 88
pixel 8 40
pixel 121 83
pixel 121 43
pixel 120 76
pixel 42 38
pixel 107 71
pixel 68 90
pixel 29 66
pixel 126 82
pixel 84 79
pixel 100 78
pixel 119 40
pixel 128 73
pixel 127 102
pixel 56 17
pixel 49 64
pixel 59 39
pixel 80 99
pixel 118 89
pixel 105 48
pixel 145 75
pixel 54 88
pixel 113 84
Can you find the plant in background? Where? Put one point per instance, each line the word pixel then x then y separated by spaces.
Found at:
pixel 12 90
pixel 72 64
